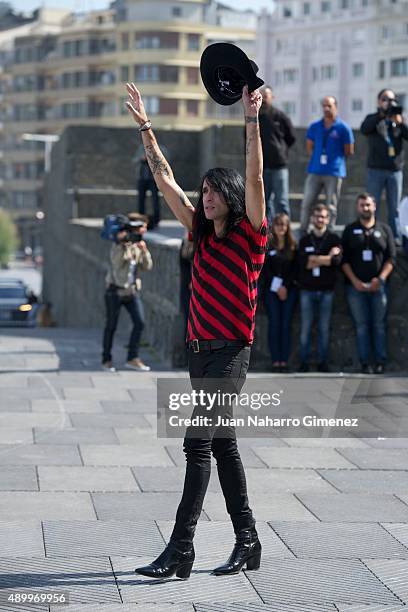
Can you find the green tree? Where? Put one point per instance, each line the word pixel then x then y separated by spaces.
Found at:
pixel 8 237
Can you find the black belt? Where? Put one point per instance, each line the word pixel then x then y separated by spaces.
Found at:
pixel 208 345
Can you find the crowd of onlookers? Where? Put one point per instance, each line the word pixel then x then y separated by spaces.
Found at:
pixel 305 271
pixel 365 252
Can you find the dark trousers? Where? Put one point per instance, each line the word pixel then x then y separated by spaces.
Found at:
pixel 143 186
pixel 230 364
pixel 280 316
pixel 134 306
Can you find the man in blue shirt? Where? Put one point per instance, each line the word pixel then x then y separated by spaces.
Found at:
pixel 328 141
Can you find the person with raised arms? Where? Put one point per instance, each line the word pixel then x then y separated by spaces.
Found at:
pixel 229 234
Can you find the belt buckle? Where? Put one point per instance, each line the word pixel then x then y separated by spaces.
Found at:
pixel 196 346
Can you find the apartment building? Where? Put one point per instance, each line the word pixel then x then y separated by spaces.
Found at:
pixel 347 48
pixel 74 70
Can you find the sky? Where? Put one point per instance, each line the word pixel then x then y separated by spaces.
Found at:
pixel 87 5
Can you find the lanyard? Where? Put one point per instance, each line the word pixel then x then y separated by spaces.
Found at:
pixel 318 249
pixel 367 236
pixel 326 135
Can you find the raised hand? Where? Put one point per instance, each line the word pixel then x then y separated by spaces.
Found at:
pixel 251 101
pixel 135 105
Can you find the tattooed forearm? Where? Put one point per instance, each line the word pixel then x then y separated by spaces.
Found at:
pixel 249 142
pixel 249 119
pixel 157 162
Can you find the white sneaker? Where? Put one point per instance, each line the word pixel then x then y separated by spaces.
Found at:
pixel 137 364
pixel 108 366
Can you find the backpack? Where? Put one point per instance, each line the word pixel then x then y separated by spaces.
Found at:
pixel 112 224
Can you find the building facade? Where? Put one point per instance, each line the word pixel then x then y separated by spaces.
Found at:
pixel 72 69
pixel 347 48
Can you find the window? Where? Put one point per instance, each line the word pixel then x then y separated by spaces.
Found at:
pixel 385 32
pixel 168 107
pixel 125 41
pixel 79 48
pixel 364 2
pixel 23 199
pixel 325 6
pixel 290 75
pixel 74 110
pixel 66 49
pixel 381 69
pixel 156 40
pixel 327 72
pixel 306 8
pixel 315 73
pixel 176 11
pixel 193 42
pixel 357 69
pixel 357 105
pixel 358 36
pixel 192 75
pixel 146 73
pixel 287 12
pixel 168 74
pixel 344 4
pixel 124 74
pixel 151 104
pixel 399 67
pixel 289 107
pixel 192 108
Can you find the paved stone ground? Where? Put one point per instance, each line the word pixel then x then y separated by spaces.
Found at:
pixel 88 492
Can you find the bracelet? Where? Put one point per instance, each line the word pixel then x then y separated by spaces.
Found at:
pixel 146 126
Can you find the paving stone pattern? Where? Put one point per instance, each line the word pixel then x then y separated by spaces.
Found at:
pixel 88 492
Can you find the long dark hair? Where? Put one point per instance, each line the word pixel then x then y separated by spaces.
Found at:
pixel 231 184
pixel 289 240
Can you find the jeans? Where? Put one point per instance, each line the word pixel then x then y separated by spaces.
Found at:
pixel 369 312
pixel 144 186
pixel 280 314
pixel 134 306
pixel 310 302
pixel 391 181
pixel 313 186
pixel 229 364
pixel 276 183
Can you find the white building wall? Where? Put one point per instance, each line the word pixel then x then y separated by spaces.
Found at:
pixel 336 52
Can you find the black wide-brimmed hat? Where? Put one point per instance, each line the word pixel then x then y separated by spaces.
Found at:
pixel 225 69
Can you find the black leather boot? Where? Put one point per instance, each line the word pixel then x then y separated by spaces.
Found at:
pixel 173 560
pixel 247 550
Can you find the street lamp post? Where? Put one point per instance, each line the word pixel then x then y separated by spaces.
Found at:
pixel 48 140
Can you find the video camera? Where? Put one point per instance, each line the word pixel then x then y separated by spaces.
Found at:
pixel 113 224
pixel 393 108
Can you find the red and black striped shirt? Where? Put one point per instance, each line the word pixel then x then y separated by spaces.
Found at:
pixel 224 284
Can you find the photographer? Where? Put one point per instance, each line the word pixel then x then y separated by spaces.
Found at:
pixel 128 254
pixel 386 130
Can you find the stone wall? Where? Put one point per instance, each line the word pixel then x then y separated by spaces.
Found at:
pixel 76 258
pixel 101 159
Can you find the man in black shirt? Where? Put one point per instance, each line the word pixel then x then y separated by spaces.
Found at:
pixel 368 260
pixel 277 136
pixel 319 257
pixel 386 130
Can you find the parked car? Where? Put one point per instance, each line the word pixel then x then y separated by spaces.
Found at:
pixel 18 305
